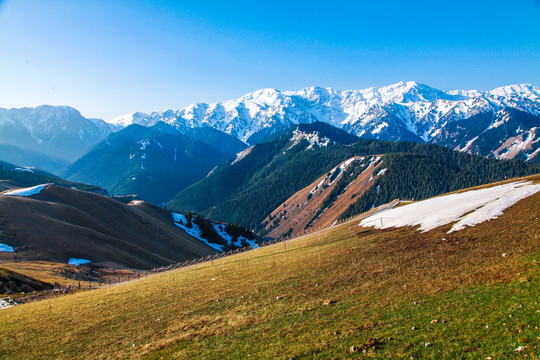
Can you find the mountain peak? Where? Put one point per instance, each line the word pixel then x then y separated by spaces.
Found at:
pixel 129 119
pixel 523 90
pixel 262 95
pixel 315 93
pixel 406 84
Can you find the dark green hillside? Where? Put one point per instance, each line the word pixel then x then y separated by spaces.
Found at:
pixel 420 175
pixel 266 134
pixel 151 162
pixel 248 190
pixel 31 177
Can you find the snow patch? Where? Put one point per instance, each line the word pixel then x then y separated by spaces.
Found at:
pixel 220 229
pixel 29 191
pixel 379 128
pixel 469 144
pixel 314 139
pixel 180 221
pixel 77 262
pixel 479 205
pixel 6 248
pixel 533 154
pixel 242 154
pixel 23 169
pixel 251 243
pixel 143 143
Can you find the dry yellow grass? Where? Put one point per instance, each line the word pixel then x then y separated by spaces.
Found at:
pixel 49 272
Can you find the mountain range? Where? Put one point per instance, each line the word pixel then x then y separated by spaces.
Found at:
pixel 276 162
pixel 500 123
pixel 157 155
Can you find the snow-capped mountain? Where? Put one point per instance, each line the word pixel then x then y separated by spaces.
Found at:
pixel 403 111
pixel 60 131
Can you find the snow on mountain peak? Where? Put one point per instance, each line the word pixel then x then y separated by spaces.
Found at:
pixel 314 93
pixel 129 119
pixel 464 94
pixel 372 112
pixel 521 90
pixel 314 138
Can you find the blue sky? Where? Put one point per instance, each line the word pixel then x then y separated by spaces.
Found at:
pixel 109 57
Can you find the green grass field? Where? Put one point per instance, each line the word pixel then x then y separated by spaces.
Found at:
pixel 455 293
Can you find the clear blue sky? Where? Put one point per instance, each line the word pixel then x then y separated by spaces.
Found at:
pixel 109 57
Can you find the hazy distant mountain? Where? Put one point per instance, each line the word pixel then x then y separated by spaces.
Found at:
pixel 403 111
pixel 60 131
pixel 17 155
pixel 155 162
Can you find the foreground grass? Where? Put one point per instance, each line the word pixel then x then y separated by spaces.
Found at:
pixel 269 303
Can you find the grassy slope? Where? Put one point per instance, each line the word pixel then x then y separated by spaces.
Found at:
pixel 486 304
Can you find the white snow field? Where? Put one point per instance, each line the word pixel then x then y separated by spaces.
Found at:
pixel 468 208
pixel 29 191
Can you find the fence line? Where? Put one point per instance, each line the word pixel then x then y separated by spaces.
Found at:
pixel 211 258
